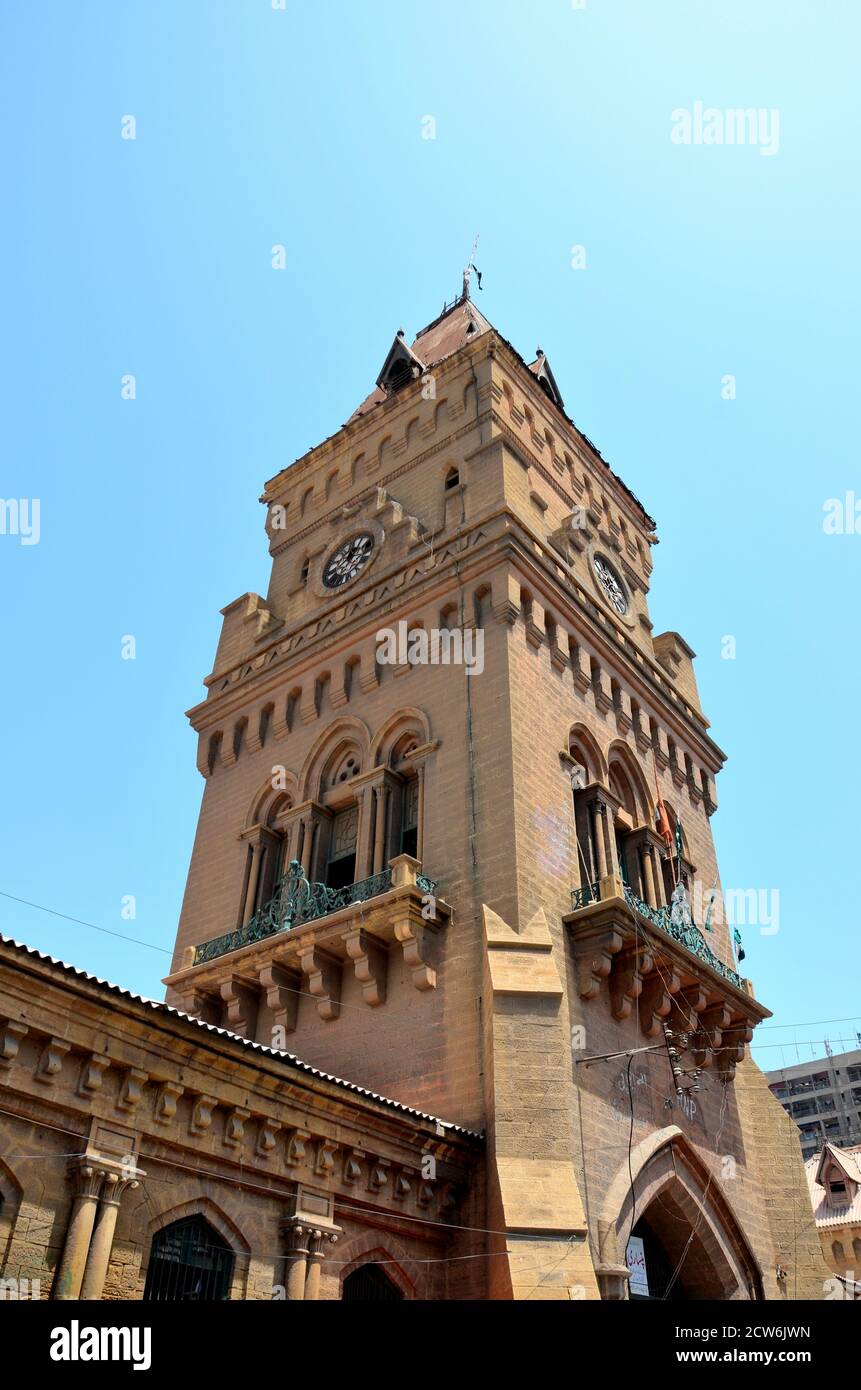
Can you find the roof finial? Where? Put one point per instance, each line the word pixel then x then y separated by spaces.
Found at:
pixel 470 268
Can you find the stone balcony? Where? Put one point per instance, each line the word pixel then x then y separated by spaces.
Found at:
pixel 657 961
pixel 301 940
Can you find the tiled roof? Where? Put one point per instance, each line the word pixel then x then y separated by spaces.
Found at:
pixel 825 1213
pixel 462 323
pixel 289 1058
pixel 447 334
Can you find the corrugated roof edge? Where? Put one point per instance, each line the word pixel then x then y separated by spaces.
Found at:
pixel 290 1057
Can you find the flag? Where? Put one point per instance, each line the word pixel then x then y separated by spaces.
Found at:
pixel 739 949
pixel 678 838
pixel 712 896
pixel 662 821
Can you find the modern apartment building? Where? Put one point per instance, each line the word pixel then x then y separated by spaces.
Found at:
pixel 823 1097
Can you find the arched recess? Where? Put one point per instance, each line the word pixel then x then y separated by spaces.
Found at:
pixel 224 1228
pixel 620 756
pixel 392 1260
pixel 344 733
pixel 401 736
pixel 11 1193
pixel 390 733
pixel 269 803
pixel 584 749
pixel 673 1190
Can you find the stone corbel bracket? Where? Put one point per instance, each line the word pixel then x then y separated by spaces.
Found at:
pixel 323 972
pixel 669 981
pixel 370 963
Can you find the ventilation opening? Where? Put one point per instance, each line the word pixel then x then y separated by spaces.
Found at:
pixel 400 375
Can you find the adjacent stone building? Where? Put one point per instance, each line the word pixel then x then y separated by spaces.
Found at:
pixel 453 838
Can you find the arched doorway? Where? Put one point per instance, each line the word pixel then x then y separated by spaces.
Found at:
pixel 188 1262
pixel 666 1258
pixel 369 1283
pixel 672 1227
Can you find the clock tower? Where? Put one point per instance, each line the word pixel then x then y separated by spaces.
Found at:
pixel 480 892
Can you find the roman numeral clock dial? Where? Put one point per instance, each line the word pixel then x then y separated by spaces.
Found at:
pixel 348 560
pixel 611 585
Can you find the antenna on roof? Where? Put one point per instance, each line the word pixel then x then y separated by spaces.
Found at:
pixel 470 268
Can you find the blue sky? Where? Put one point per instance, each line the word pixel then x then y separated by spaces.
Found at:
pixel 303 127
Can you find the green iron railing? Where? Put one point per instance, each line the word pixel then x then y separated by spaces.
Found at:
pixel 675 921
pixel 582 897
pixel 296 901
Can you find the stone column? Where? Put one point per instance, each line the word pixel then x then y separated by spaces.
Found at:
pixel 297 1259
pixel 291 837
pixel 101 1245
pixel 381 795
pixel 308 825
pixel 316 1254
pixel 364 844
pixel 70 1272
pixel 600 848
pixel 420 836
pixel 251 890
pixel 648 870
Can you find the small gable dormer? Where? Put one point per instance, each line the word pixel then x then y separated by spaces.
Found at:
pixel 540 369
pixel 400 367
pixel 839 1174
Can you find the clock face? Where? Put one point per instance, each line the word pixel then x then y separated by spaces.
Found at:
pixel 611 584
pixel 348 560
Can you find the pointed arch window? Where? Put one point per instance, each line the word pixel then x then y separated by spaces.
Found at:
pixel 370 1284
pixel 188 1262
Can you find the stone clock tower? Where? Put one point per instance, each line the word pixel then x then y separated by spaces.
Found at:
pixel 451 885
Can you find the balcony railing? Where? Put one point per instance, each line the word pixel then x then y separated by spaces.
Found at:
pixel 675 920
pixel 297 901
pixel 582 897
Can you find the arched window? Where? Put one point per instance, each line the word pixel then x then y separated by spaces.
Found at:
pixel 341 861
pixel 410 817
pixel 369 1283
pixel 452 480
pixel 837 1252
pixel 188 1262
